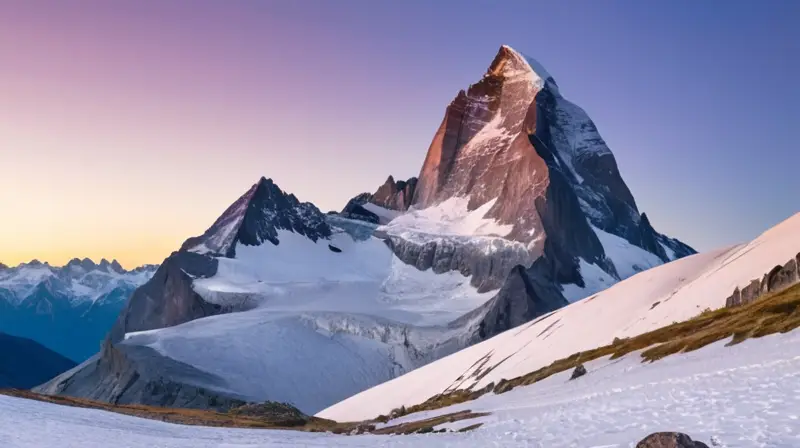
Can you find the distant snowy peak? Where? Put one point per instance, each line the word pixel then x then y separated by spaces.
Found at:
pixel 77 282
pixel 88 265
pixel 256 217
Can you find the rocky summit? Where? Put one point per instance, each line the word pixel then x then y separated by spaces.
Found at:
pixel 518 209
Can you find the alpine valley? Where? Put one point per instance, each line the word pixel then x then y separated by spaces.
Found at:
pixel 519 209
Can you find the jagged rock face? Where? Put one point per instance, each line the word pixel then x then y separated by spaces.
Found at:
pixel 122 374
pixel 468 257
pixel 168 299
pixel 395 195
pixel 355 209
pixel 505 136
pixel 482 150
pixel 526 295
pixel 392 195
pixel 256 217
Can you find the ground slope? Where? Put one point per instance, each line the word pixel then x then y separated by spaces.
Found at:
pixel 649 300
pixel 739 396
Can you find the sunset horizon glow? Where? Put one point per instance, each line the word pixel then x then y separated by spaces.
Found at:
pixel 128 127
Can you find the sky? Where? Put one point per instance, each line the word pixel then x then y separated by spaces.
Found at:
pixel 128 126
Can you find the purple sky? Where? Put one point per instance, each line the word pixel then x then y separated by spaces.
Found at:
pixel 127 126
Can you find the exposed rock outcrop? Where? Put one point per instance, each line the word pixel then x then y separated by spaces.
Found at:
pixel 123 374
pixel 355 209
pixel 168 299
pixel 525 295
pixel 466 255
pixel 395 195
pixel 777 279
pixel 392 195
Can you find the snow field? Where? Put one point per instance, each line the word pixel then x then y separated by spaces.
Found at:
pixel 747 395
pixel 652 299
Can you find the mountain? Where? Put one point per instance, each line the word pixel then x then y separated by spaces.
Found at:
pixel 518 210
pixel 25 363
pixel 70 308
pixel 647 301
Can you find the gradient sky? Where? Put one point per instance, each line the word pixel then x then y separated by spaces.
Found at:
pixel 128 126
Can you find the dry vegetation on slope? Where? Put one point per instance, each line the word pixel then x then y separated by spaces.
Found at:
pixel 774 313
pixel 255 416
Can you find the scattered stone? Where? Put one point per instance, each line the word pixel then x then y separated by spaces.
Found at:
pixel 579 371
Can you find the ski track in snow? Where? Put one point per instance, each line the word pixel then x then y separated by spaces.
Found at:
pixel 747 395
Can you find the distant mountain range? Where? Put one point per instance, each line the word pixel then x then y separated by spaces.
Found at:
pixel 519 209
pixel 68 309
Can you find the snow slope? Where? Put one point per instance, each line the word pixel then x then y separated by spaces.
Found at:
pixel 740 396
pixel 673 292
pixel 356 313
pixel 449 218
pixel 363 278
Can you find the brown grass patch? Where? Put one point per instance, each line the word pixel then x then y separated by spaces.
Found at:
pixel 427 425
pixel 267 416
pixel 773 313
pixel 254 416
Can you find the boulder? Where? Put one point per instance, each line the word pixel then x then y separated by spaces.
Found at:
pixel 782 276
pixel 735 299
pixel 751 291
pixel 669 440
pixel 579 371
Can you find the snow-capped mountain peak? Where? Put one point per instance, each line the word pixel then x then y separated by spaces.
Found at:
pixel 256 217
pixel 518 209
pixel 538 74
pixel 80 280
pixel 68 308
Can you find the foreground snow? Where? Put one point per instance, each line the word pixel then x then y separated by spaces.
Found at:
pixel 742 396
pixel 652 299
pixel 746 395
